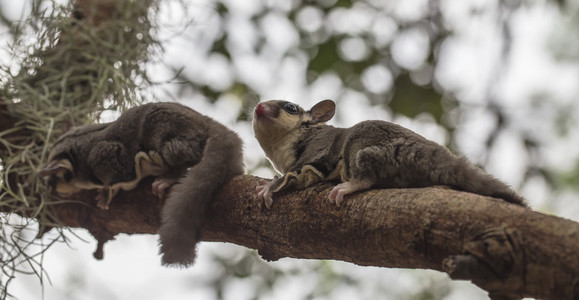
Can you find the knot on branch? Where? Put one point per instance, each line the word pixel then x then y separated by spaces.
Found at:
pixel 493 260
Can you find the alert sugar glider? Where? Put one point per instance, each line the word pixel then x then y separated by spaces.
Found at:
pixel 370 154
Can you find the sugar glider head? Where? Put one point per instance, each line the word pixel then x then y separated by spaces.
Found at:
pixel 61 174
pixel 66 168
pixel 275 119
pixel 279 124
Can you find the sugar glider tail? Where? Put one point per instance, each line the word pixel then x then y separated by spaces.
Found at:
pixel 469 178
pixel 186 206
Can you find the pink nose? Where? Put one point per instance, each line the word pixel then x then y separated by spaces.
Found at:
pixel 260 109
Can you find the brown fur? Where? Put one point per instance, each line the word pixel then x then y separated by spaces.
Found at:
pixel 165 140
pixel 371 154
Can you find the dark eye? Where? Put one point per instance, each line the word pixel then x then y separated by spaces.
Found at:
pixel 66 176
pixel 290 108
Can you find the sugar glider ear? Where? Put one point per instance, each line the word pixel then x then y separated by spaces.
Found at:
pixel 323 111
pixel 55 167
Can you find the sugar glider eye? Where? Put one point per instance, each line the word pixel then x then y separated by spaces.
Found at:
pixel 66 176
pixel 290 108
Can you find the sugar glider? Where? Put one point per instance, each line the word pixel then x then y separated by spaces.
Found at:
pixel 188 152
pixel 370 154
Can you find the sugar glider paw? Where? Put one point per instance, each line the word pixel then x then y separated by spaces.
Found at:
pixel 264 191
pixel 102 198
pixel 338 192
pixel 161 186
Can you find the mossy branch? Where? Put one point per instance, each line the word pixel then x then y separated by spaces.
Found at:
pixel 86 57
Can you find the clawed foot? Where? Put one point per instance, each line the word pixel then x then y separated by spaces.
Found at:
pixel 161 186
pixel 264 192
pixel 339 191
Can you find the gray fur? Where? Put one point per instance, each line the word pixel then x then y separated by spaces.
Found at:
pixel 372 154
pixel 165 140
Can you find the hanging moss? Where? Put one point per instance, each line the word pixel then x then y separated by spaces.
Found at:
pixel 74 62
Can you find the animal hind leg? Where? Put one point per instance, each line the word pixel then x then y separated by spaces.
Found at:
pixel 364 174
pixel 161 186
pixel 339 191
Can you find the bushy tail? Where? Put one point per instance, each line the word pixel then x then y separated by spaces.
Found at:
pixel 467 177
pixel 186 207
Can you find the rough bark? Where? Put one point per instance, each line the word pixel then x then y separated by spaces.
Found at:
pixel 508 250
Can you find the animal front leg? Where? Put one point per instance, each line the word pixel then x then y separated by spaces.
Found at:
pixel 149 164
pixel 146 164
pixel 265 192
pixel 102 198
pixel 300 179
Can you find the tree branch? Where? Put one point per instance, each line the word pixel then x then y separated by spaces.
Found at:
pixel 508 250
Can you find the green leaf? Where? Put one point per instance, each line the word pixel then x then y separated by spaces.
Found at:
pixel 411 99
pixel 325 58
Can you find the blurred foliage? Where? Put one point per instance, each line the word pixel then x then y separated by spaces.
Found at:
pixel 323 280
pixel 564 44
pixel 347 52
pixel 365 56
pixel 388 56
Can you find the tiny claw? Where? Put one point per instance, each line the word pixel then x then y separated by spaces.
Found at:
pixel 333 194
pixel 264 192
pixel 102 199
pixel 259 187
pixel 260 199
pixel 345 188
pixel 268 200
pixel 265 196
pixel 337 193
